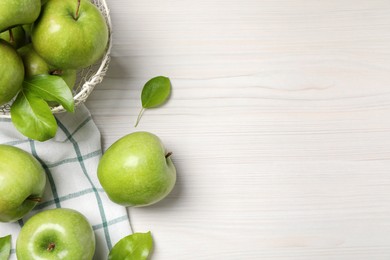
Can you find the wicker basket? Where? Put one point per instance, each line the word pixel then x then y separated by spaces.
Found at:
pixel 87 78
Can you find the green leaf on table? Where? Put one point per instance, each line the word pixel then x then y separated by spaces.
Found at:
pixel 32 116
pixel 5 247
pixel 155 92
pixel 50 88
pixel 136 246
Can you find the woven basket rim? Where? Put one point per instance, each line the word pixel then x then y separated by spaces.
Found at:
pixel 87 86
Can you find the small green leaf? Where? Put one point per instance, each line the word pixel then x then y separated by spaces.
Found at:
pixel 32 117
pixel 5 247
pixel 155 92
pixel 50 88
pixel 136 246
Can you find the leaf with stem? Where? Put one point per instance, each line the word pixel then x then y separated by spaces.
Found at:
pixel 30 112
pixel 155 92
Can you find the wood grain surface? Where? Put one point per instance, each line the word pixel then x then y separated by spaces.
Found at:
pixel 279 124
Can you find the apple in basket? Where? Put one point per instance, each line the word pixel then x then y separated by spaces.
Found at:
pixel 18 12
pixel 11 72
pixel 15 36
pixel 67 37
pixel 22 182
pixel 35 65
pixel 70 34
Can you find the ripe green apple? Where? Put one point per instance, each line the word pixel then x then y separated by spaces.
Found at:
pixel 18 12
pixel 136 170
pixel 56 234
pixel 11 72
pixel 22 182
pixel 15 36
pixel 70 34
pixel 35 65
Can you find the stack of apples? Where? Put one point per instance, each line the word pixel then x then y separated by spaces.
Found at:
pixel 49 37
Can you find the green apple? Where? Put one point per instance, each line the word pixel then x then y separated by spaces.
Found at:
pixel 11 72
pixel 35 65
pixel 18 12
pixel 15 36
pixel 70 34
pixel 22 182
pixel 136 170
pixel 56 234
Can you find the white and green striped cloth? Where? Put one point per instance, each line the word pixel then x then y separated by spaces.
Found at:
pixel 70 160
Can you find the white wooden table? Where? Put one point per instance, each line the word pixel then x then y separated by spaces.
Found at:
pixel 279 123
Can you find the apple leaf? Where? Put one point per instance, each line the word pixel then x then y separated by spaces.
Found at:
pixel 50 88
pixel 155 92
pixel 136 246
pixel 5 247
pixel 32 117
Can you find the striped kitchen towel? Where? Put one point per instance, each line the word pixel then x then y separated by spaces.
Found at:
pixel 70 160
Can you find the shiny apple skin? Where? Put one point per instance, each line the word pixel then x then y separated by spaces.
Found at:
pixel 66 41
pixel 21 176
pixel 66 231
pixel 11 72
pixel 18 12
pixel 135 172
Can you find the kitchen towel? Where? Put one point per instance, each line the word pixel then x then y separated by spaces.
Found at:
pixel 70 160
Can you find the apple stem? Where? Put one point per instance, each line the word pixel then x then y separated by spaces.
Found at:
pixel 35 199
pixel 11 36
pixel 77 10
pixel 51 246
pixel 139 116
pixel 168 154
